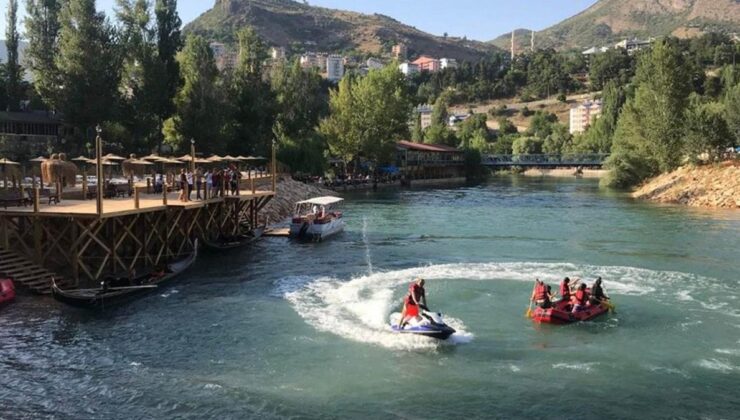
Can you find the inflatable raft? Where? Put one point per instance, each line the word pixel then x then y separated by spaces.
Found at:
pixel 560 313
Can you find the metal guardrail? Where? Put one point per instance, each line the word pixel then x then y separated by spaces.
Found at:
pixel 574 159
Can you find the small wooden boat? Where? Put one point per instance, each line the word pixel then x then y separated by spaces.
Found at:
pixel 560 313
pixel 109 296
pixel 317 219
pixel 7 291
pixel 231 242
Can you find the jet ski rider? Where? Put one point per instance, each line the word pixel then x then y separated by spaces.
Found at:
pixel 414 299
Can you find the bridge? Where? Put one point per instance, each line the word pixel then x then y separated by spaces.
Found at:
pixel 590 160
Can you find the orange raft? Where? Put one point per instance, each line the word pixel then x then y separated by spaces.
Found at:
pixel 560 313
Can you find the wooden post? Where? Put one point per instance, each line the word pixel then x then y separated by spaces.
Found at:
pixel 59 190
pixel 36 199
pixel 99 172
pixel 274 168
pixel 164 194
pixel 251 180
pixel 136 197
pixel 148 186
pixel 223 185
pixel 84 183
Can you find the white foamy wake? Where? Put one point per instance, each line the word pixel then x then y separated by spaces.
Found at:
pixel 359 308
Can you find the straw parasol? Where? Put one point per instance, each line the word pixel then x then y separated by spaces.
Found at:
pixel 80 159
pixel 185 158
pixel 229 158
pixel 39 159
pixel 154 157
pixel 215 158
pixel 111 156
pixel 6 161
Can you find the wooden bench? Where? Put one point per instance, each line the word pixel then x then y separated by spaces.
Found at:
pixel 45 193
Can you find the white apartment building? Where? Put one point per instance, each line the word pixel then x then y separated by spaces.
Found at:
pixel 409 69
pixel 447 63
pixel 277 53
pixel 582 115
pixel 309 60
pixel 334 67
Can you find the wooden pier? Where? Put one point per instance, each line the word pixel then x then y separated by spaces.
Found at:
pixel 128 235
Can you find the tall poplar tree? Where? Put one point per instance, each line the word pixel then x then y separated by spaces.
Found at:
pixel 88 65
pixel 42 29
pixel 12 68
pixel 198 110
pixel 254 105
pixel 169 43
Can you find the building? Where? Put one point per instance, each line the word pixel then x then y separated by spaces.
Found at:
pixel 427 161
pixel 409 69
pixel 31 133
pixel 374 64
pixel 582 115
pixel 309 60
pixel 594 50
pixel 633 45
pixel 224 58
pixel 400 52
pixel 425 115
pixel 447 63
pixel 321 59
pixel 427 63
pixel 334 67
pixel 278 53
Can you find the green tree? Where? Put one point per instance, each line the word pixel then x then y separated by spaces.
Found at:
pixel 439 112
pixel 558 141
pixel 141 75
pixel 417 134
pixel 88 65
pixel 474 125
pixel 732 112
pixel 169 43
pixel 199 112
pixel 440 134
pixel 503 145
pixel 598 138
pixel 505 126
pixel 12 68
pixel 527 146
pixel 254 104
pixel 301 102
pixel 707 131
pixel 542 124
pixel 42 28
pixel 368 116
pixel 649 134
pixel 546 74
pixel 613 65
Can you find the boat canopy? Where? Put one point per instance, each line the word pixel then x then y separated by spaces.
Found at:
pixel 322 201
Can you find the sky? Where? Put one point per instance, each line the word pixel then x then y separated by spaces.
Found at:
pixel 483 20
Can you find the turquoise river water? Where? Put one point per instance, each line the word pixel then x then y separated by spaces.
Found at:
pixel 289 330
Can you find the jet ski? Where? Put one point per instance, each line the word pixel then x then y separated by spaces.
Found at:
pixel 429 324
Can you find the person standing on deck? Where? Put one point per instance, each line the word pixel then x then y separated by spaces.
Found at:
pixel 183 186
pixel 209 184
pixel 235 175
pixel 189 179
pixel 198 183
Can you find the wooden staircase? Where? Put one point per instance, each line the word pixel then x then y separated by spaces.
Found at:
pixel 28 275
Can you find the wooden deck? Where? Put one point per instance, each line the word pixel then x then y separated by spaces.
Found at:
pixel 126 206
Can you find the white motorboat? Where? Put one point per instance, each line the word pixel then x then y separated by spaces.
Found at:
pixel 317 218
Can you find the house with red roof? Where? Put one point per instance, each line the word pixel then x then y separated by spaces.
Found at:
pixel 426 63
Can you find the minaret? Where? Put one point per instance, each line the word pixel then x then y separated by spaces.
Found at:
pixel 513 35
pixel 531 46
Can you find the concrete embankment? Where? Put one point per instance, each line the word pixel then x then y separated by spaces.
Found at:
pixel 698 186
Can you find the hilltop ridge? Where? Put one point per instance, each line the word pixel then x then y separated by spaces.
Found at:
pixel 296 25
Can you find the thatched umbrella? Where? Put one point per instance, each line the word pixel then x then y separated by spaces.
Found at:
pixel 57 169
pixel 111 156
pixel 216 158
pixel 35 161
pixel 154 157
pixel 133 166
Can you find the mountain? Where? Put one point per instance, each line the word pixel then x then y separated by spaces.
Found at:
pixel 289 23
pixel 608 21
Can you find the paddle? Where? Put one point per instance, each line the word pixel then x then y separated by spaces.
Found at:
pixel 528 313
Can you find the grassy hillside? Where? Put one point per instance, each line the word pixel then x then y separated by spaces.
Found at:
pixel 608 21
pixel 292 24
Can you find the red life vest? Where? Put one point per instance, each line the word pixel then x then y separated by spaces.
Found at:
pixel 540 292
pixel 565 290
pixel 581 297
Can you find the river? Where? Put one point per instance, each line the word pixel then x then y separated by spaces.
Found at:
pixel 288 330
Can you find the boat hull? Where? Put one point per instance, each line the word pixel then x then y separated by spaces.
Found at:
pixel 7 291
pixel 440 333
pixel 97 299
pixel 316 231
pixel 560 314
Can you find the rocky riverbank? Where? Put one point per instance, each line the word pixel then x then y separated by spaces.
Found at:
pixel 703 186
pixel 288 193
pixel 567 172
